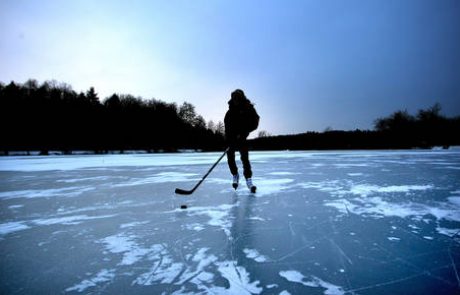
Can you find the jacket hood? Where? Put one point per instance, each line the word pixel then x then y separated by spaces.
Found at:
pixel 238 99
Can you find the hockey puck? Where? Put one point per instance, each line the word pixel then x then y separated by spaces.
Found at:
pixel 183 206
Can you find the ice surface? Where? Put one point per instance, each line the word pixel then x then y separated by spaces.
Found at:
pixel 354 222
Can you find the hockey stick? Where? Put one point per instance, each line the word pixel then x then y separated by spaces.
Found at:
pixel 186 192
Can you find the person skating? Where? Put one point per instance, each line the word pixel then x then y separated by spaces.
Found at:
pixel 240 120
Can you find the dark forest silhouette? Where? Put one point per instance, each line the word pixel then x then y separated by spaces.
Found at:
pixel 52 116
pixel 400 130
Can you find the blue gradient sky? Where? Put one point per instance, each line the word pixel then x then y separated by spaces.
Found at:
pixel 307 65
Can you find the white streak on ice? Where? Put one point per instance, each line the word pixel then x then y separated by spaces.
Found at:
pixel 83 179
pixel 348 165
pixel 45 193
pixel 68 220
pixel 256 218
pixel 133 224
pixel 355 174
pixel 10 227
pixel 159 178
pixel 393 238
pixel 297 277
pixel 282 173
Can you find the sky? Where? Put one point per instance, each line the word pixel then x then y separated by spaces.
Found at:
pixel 306 65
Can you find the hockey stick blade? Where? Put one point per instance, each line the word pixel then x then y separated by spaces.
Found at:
pixel 183 192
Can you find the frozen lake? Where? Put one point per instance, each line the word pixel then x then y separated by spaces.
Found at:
pixel 354 222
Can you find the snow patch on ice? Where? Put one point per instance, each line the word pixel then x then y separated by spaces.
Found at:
pixel 271 186
pixel 255 255
pixel 238 280
pixel 284 292
pixel 120 243
pixel 292 276
pixel 370 200
pixel 366 189
pixel 334 187
pixel 164 269
pixel 199 276
pixel 377 207
pixel 346 187
pixel 194 226
pixel 447 231
pixel 218 215
pixel 10 227
pixel 103 276
pixel 15 206
pixel 315 282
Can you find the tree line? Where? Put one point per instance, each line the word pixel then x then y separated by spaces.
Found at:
pixel 400 130
pixel 52 116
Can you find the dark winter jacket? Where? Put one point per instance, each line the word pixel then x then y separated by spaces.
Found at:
pixel 240 120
